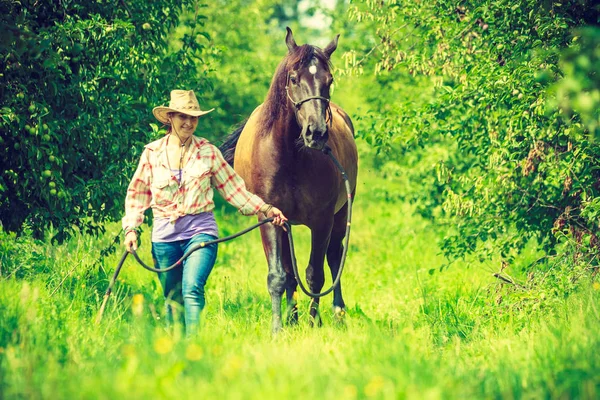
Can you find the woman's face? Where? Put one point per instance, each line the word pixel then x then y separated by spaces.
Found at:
pixel 184 124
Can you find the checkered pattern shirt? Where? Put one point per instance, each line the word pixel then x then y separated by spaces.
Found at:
pixel 153 184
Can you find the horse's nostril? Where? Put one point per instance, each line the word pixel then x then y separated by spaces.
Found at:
pixel 317 130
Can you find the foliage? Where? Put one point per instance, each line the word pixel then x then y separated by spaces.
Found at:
pixel 78 80
pixel 21 257
pixel 578 93
pixel 242 58
pixel 513 161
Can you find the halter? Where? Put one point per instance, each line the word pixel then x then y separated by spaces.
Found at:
pixel 298 104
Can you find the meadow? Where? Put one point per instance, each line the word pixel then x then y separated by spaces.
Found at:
pixel 412 331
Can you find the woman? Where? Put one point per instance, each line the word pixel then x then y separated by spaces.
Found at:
pixel 175 176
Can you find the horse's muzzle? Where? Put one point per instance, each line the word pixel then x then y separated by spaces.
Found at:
pixel 315 137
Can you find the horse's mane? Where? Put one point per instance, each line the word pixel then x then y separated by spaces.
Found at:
pixel 276 103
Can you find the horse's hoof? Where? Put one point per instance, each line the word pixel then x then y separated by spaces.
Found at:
pixel 276 330
pixel 292 317
pixel 339 315
pixel 276 326
pixel 315 320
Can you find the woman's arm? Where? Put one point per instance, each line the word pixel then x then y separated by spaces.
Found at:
pixel 232 187
pixel 139 196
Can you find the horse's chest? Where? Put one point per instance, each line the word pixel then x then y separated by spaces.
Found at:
pixel 306 189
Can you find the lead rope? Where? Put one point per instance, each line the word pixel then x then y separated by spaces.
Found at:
pixel 327 151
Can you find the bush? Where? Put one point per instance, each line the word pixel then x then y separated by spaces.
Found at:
pixel 511 115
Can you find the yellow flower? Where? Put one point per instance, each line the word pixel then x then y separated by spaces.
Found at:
pixel 193 352
pixel 217 350
pixel 596 285
pixel 232 366
pixel 374 386
pixel 138 298
pixel 128 350
pixel 350 392
pixel 163 345
pixel 137 306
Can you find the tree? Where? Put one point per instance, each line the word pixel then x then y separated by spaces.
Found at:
pixel 78 82
pixel 515 163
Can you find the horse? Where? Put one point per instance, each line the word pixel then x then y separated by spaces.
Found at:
pixel 277 153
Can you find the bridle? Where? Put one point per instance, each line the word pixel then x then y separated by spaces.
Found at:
pixel 298 104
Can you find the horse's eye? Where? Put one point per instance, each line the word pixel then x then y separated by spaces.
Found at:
pixel 293 79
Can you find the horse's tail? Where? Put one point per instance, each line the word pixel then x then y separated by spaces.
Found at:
pixel 230 142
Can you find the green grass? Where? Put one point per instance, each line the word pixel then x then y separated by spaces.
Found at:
pixel 408 334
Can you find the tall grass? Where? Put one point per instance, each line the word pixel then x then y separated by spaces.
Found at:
pixel 410 333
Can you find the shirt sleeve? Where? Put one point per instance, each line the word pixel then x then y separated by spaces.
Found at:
pixel 139 196
pixel 232 187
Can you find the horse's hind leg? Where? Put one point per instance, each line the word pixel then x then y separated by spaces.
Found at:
pixel 292 299
pixel 315 276
pixel 334 258
pixel 291 286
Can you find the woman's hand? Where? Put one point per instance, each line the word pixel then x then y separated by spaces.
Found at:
pixel 131 241
pixel 279 218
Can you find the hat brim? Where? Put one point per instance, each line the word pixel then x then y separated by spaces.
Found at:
pixel 162 113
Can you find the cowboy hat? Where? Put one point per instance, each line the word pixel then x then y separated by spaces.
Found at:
pixel 182 101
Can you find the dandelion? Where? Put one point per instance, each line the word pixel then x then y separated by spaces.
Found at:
pixel 217 350
pixel 163 345
pixel 596 285
pixel 374 387
pixel 232 366
pixel 193 352
pixel 128 350
pixel 137 306
pixel 350 392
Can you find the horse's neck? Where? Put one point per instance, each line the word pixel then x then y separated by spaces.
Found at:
pixel 285 132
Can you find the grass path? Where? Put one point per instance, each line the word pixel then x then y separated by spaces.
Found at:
pixel 409 333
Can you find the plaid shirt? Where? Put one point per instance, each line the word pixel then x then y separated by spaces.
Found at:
pixel 153 184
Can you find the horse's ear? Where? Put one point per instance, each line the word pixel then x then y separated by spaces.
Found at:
pixel 289 40
pixel 332 46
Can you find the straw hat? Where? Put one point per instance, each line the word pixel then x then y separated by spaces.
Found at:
pixel 182 101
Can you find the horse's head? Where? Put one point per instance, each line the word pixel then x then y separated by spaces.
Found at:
pixel 308 82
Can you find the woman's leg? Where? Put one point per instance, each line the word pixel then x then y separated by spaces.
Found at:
pixel 196 269
pixel 165 255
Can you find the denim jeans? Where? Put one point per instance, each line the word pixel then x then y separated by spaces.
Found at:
pixel 185 285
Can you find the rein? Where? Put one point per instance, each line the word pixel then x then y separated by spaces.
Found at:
pixel 327 151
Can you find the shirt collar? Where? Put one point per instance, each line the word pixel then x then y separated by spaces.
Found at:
pixel 160 147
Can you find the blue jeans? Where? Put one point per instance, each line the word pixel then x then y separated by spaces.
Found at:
pixel 185 285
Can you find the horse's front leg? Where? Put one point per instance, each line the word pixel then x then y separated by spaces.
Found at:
pixel 271 238
pixel 315 276
pixel 290 281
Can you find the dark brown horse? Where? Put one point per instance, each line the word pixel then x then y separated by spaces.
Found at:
pixel 277 153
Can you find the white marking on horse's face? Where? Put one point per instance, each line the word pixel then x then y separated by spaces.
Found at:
pixel 312 69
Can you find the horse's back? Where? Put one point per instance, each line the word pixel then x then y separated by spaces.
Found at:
pixel 245 146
